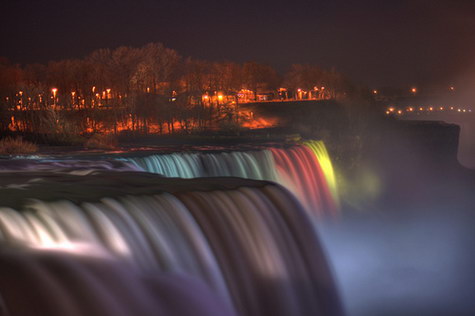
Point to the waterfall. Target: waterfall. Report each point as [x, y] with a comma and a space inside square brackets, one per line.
[306, 170]
[251, 242]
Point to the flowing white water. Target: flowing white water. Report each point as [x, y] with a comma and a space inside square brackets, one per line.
[251, 242]
[305, 170]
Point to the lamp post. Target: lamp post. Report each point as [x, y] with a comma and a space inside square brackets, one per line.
[54, 91]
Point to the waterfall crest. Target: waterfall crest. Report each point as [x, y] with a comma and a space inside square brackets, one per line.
[306, 170]
[251, 242]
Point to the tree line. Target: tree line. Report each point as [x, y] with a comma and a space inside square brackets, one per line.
[146, 89]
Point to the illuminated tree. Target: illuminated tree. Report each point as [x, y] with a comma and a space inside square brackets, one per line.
[259, 78]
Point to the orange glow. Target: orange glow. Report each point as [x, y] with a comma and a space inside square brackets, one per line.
[399, 112]
[431, 109]
[391, 109]
[375, 91]
[260, 123]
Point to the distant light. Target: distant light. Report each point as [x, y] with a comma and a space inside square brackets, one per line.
[431, 108]
[414, 90]
[459, 110]
[399, 112]
[451, 107]
[452, 88]
[441, 108]
[375, 91]
[387, 112]
[391, 109]
[421, 109]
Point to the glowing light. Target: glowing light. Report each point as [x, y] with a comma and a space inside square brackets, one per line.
[220, 97]
[320, 151]
[431, 108]
[399, 112]
[421, 109]
[93, 89]
[410, 109]
[441, 108]
[375, 91]
[414, 90]
[391, 109]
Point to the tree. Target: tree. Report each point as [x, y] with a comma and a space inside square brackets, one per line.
[259, 78]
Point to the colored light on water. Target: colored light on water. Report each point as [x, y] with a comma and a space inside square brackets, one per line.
[320, 151]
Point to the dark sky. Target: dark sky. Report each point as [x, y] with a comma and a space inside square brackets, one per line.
[379, 42]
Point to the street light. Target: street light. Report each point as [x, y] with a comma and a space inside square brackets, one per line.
[54, 90]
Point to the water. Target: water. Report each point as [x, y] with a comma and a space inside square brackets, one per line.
[249, 244]
[306, 170]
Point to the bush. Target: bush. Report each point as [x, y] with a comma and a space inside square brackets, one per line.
[16, 146]
[101, 141]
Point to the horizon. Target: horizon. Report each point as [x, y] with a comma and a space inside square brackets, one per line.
[404, 43]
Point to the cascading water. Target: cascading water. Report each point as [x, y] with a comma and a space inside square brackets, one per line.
[250, 241]
[306, 170]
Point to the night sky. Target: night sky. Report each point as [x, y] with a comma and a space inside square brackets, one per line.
[374, 41]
